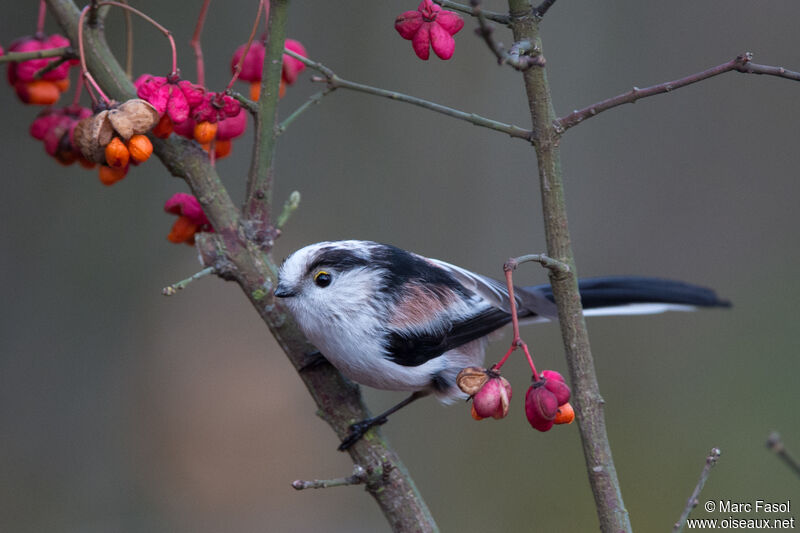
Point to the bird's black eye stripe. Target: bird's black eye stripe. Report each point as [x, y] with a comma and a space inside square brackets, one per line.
[322, 278]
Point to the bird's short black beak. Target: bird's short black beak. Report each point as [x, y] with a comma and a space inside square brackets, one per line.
[283, 292]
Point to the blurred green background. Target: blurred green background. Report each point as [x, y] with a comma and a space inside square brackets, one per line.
[122, 410]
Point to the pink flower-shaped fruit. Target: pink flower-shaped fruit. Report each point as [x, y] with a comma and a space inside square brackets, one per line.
[191, 219]
[541, 406]
[554, 382]
[171, 95]
[25, 71]
[42, 124]
[54, 127]
[293, 67]
[183, 204]
[253, 62]
[230, 128]
[493, 398]
[252, 67]
[215, 107]
[185, 128]
[428, 27]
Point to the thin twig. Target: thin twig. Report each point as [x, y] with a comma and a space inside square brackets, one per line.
[522, 55]
[313, 99]
[740, 63]
[52, 65]
[248, 104]
[289, 207]
[500, 18]
[333, 81]
[711, 460]
[358, 477]
[175, 287]
[775, 444]
[542, 8]
[36, 54]
[545, 261]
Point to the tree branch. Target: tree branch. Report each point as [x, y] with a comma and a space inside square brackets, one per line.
[522, 55]
[37, 54]
[500, 18]
[542, 8]
[775, 443]
[254, 270]
[358, 477]
[334, 82]
[741, 63]
[259, 183]
[588, 403]
[711, 460]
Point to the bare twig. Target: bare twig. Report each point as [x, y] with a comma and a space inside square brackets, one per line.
[542, 8]
[775, 443]
[741, 63]
[36, 54]
[545, 261]
[500, 18]
[52, 65]
[334, 82]
[249, 105]
[175, 287]
[358, 477]
[522, 55]
[313, 99]
[289, 207]
[711, 460]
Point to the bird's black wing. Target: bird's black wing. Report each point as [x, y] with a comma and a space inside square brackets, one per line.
[409, 349]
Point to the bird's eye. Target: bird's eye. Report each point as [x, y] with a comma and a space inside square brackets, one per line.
[322, 279]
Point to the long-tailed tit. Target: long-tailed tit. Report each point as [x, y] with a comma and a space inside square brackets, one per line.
[394, 320]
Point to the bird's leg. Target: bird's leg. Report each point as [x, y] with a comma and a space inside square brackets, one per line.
[312, 360]
[358, 429]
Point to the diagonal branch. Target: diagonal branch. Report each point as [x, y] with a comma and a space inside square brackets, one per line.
[335, 82]
[500, 18]
[255, 271]
[741, 63]
[775, 443]
[693, 500]
[37, 54]
[542, 8]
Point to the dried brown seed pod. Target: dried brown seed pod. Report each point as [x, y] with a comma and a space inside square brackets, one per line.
[133, 117]
[471, 379]
[91, 136]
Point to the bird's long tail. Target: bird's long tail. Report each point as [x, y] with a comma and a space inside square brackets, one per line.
[633, 295]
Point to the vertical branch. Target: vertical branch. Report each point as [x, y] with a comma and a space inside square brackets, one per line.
[587, 400]
[259, 183]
